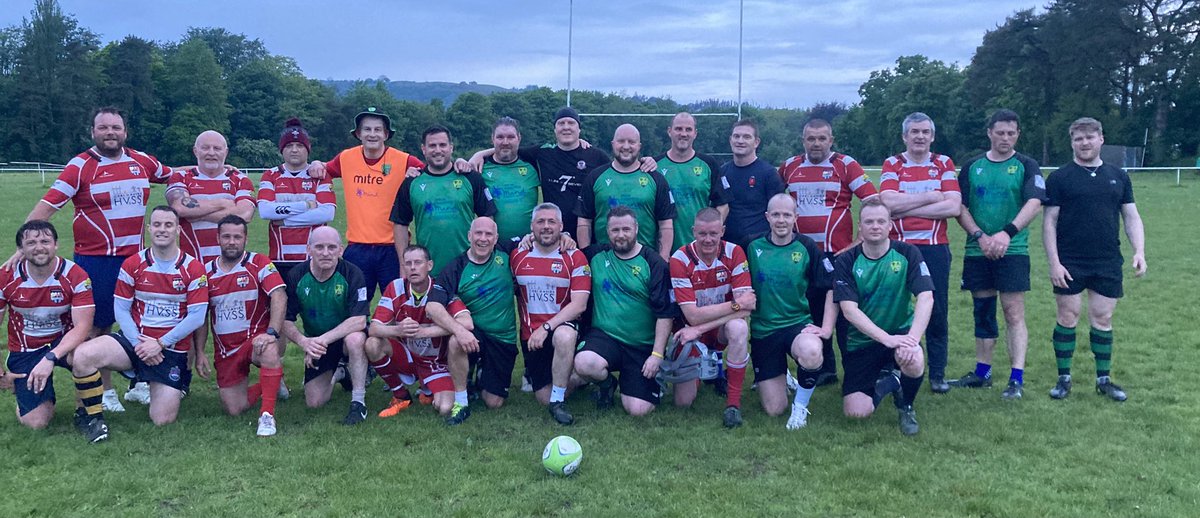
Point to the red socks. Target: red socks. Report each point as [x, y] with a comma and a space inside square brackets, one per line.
[736, 375]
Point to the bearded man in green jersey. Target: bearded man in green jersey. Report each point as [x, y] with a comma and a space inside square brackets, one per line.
[694, 178]
[631, 317]
[1002, 191]
[514, 183]
[784, 266]
[875, 283]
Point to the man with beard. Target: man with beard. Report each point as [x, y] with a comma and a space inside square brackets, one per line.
[823, 183]
[161, 299]
[109, 184]
[330, 295]
[623, 183]
[292, 201]
[247, 306]
[553, 287]
[694, 178]
[876, 282]
[439, 202]
[513, 183]
[51, 307]
[631, 319]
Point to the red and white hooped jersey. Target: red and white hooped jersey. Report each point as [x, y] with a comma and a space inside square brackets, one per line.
[161, 293]
[398, 303]
[823, 193]
[935, 174]
[546, 283]
[277, 185]
[199, 238]
[239, 301]
[39, 314]
[693, 282]
[110, 197]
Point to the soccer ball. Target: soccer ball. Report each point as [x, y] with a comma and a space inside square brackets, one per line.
[562, 455]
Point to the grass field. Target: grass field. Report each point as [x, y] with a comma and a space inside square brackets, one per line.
[975, 455]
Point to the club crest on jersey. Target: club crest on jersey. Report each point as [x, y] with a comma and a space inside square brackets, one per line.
[896, 266]
[498, 260]
[387, 169]
[271, 268]
[826, 174]
[225, 186]
[339, 290]
[643, 181]
[581, 165]
[306, 186]
[1012, 169]
[556, 267]
[587, 269]
[751, 181]
[722, 276]
[86, 285]
[135, 170]
[795, 257]
[56, 296]
[697, 170]
[177, 283]
[243, 281]
[933, 172]
[636, 270]
[522, 171]
[457, 183]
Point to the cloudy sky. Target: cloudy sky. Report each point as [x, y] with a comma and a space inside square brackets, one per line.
[795, 52]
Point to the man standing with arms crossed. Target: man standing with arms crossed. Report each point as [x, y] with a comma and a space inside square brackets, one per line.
[710, 279]
[1086, 202]
[1002, 192]
[161, 299]
[553, 287]
[330, 295]
[247, 301]
[109, 184]
[371, 174]
[921, 190]
[623, 183]
[694, 178]
[823, 183]
[206, 194]
[292, 201]
[631, 320]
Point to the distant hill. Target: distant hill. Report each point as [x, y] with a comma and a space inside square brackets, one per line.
[423, 92]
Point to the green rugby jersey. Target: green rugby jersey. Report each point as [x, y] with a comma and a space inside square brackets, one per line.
[694, 185]
[325, 305]
[515, 191]
[994, 192]
[487, 291]
[441, 208]
[781, 276]
[629, 295]
[646, 193]
[883, 287]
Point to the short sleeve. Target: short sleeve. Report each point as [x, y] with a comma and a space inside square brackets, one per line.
[718, 193]
[581, 273]
[845, 287]
[82, 295]
[964, 181]
[1035, 183]
[664, 202]
[586, 208]
[919, 279]
[681, 278]
[197, 283]
[660, 285]
[820, 268]
[402, 213]
[293, 280]
[358, 304]
[66, 186]
[385, 312]
[741, 270]
[889, 176]
[482, 196]
[949, 175]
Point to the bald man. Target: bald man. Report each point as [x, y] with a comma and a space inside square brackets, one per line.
[205, 194]
[482, 278]
[330, 295]
[623, 183]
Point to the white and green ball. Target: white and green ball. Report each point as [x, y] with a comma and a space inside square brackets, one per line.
[562, 455]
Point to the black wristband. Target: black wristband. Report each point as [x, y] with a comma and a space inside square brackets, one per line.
[1011, 230]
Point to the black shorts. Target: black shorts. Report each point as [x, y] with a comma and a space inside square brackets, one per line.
[333, 357]
[626, 360]
[1008, 274]
[173, 371]
[539, 364]
[23, 363]
[496, 361]
[769, 354]
[1105, 279]
[862, 367]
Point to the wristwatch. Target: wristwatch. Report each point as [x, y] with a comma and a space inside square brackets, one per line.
[271, 331]
[735, 306]
[547, 327]
[976, 235]
[51, 356]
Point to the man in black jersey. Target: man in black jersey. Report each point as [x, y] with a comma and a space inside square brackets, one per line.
[1087, 198]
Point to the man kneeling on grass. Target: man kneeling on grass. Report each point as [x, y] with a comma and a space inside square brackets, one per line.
[405, 344]
[875, 283]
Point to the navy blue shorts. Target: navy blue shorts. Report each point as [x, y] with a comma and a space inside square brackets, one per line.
[173, 371]
[103, 270]
[334, 356]
[379, 264]
[23, 363]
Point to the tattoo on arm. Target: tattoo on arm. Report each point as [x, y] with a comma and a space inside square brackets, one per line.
[189, 202]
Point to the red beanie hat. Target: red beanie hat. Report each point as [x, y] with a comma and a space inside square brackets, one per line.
[293, 131]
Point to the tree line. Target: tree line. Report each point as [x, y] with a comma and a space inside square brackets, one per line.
[1130, 63]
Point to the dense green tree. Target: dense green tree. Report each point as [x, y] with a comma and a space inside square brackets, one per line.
[195, 98]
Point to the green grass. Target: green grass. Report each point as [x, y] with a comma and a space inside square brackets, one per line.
[975, 455]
